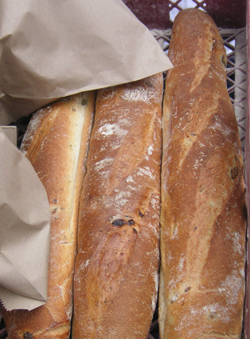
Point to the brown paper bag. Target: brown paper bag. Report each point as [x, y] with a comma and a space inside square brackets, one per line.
[24, 231]
[50, 49]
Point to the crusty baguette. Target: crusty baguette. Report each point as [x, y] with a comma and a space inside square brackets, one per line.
[116, 274]
[56, 143]
[203, 215]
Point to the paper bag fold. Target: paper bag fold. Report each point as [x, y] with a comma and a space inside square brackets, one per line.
[24, 231]
[51, 49]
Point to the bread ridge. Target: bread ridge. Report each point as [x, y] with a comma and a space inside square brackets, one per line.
[116, 275]
[56, 143]
[203, 213]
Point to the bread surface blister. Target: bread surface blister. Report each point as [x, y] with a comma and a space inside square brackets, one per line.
[56, 143]
[116, 274]
[203, 213]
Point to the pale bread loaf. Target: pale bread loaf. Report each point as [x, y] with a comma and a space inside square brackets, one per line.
[56, 143]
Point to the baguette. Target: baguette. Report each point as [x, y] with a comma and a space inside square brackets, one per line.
[203, 213]
[116, 273]
[56, 143]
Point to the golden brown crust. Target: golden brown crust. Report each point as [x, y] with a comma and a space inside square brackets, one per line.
[116, 276]
[56, 143]
[203, 219]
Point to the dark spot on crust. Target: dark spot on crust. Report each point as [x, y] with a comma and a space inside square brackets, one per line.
[66, 99]
[134, 230]
[119, 222]
[27, 335]
[54, 201]
[188, 289]
[224, 61]
[84, 102]
[54, 210]
[131, 222]
[148, 83]
[213, 43]
[140, 214]
[234, 172]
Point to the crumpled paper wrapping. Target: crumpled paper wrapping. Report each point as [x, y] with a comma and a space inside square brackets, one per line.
[51, 49]
[24, 231]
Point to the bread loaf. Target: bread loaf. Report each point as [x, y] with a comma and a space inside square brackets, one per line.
[56, 143]
[116, 274]
[203, 214]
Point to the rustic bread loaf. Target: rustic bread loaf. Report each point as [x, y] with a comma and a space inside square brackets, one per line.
[116, 273]
[203, 215]
[56, 143]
